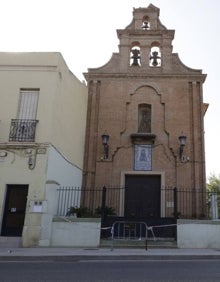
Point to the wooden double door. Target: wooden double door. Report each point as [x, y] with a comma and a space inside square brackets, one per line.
[142, 196]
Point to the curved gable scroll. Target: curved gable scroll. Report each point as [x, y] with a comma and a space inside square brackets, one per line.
[179, 67]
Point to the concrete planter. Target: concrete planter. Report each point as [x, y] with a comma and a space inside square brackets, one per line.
[198, 233]
[75, 232]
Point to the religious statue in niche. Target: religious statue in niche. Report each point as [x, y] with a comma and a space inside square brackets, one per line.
[145, 119]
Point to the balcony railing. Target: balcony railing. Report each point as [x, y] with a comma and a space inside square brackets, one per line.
[23, 130]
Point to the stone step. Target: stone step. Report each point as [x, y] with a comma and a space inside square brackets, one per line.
[10, 242]
[130, 243]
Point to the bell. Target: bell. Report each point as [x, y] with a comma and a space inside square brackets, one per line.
[145, 25]
[155, 58]
[155, 62]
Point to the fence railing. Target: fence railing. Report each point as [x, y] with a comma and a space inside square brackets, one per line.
[90, 202]
[183, 203]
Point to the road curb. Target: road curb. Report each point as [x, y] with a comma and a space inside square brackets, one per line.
[75, 258]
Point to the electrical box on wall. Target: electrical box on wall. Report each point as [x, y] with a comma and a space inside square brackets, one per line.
[37, 206]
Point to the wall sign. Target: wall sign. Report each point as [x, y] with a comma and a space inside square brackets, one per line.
[143, 157]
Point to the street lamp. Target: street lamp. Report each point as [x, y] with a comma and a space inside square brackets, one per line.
[105, 139]
[182, 140]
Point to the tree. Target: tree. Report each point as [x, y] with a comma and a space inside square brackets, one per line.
[213, 183]
[213, 196]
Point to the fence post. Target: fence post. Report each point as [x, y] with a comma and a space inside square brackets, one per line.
[175, 208]
[175, 211]
[103, 203]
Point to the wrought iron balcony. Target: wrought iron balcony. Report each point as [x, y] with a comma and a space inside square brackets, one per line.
[23, 130]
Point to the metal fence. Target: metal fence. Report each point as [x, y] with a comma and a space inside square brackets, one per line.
[177, 203]
[90, 202]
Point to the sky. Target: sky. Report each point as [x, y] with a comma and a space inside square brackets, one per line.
[84, 32]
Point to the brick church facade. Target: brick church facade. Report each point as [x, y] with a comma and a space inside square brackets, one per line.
[145, 128]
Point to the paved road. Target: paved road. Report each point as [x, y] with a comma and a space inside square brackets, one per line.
[109, 271]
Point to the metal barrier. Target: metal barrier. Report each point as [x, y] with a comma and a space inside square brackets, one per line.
[129, 230]
[150, 228]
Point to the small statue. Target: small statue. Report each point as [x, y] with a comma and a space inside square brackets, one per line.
[145, 124]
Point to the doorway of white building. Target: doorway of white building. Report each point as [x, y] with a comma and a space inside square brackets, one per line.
[14, 211]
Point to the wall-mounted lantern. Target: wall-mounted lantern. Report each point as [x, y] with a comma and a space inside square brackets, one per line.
[105, 139]
[182, 140]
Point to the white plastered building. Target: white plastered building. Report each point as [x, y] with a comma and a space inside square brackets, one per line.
[42, 130]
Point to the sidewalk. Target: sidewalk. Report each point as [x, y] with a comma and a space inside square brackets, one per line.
[76, 254]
